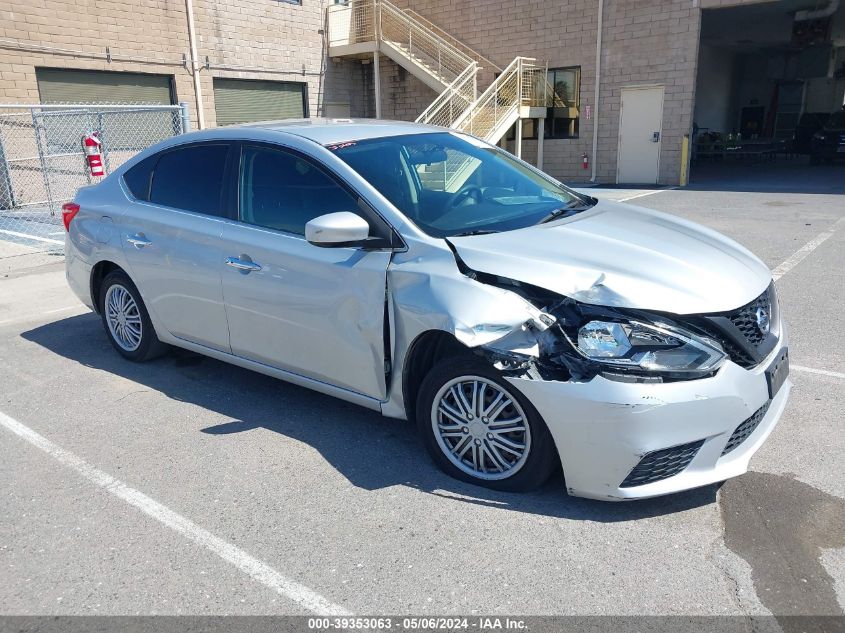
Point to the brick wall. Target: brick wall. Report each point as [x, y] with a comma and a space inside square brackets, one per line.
[263, 39]
[649, 42]
[645, 42]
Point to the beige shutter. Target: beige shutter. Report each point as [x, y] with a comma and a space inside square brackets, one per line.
[97, 86]
[245, 101]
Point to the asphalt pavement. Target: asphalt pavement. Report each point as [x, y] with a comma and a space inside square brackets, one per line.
[188, 486]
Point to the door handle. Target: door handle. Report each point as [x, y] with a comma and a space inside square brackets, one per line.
[240, 264]
[138, 240]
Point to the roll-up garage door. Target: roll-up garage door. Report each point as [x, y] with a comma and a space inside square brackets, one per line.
[246, 100]
[58, 85]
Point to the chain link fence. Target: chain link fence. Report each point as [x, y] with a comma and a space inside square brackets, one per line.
[42, 162]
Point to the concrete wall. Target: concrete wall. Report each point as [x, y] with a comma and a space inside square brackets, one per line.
[264, 39]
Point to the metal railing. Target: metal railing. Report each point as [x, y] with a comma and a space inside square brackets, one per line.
[352, 23]
[482, 61]
[452, 63]
[42, 163]
[498, 105]
[523, 83]
[381, 21]
[453, 104]
[419, 43]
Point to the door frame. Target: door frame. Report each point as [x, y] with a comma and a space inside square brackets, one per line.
[619, 127]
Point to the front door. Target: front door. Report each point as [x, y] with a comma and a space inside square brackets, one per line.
[317, 312]
[640, 135]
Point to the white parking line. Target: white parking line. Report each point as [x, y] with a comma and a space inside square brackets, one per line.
[822, 372]
[27, 236]
[253, 567]
[34, 317]
[646, 193]
[798, 256]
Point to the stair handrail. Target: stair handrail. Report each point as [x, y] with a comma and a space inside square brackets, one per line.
[522, 83]
[445, 60]
[451, 104]
[499, 100]
[483, 62]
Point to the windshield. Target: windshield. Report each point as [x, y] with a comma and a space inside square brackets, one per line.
[450, 184]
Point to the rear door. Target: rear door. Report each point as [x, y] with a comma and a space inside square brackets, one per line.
[317, 312]
[171, 239]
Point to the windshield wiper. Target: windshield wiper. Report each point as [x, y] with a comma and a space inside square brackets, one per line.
[474, 232]
[575, 206]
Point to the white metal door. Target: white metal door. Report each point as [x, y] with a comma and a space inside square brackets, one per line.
[640, 135]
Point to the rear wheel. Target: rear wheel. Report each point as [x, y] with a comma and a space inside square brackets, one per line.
[480, 429]
[126, 320]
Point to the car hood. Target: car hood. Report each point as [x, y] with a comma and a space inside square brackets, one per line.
[625, 256]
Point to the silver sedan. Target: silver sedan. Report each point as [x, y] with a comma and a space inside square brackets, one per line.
[432, 277]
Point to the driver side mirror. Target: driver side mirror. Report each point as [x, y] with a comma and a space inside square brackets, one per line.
[337, 229]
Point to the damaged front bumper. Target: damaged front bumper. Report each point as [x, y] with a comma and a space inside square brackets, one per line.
[604, 429]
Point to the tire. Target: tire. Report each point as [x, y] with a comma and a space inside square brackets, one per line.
[480, 451]
[815, 159]
[131, 334]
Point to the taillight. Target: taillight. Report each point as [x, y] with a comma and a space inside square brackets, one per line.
[69, 211]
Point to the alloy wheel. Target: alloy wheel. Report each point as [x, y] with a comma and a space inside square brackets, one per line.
[123, 318]
[481, 428]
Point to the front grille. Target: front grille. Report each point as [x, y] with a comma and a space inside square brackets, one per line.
[740, 334]
[744, 430]
[737, 354]
[745, 319]
[661, 464]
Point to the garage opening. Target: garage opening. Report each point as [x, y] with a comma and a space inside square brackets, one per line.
[60, 85]
[771, 77]
[247, 100]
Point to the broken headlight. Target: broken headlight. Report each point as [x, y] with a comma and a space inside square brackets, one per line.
[648, 347]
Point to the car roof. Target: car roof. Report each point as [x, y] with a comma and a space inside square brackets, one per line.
[330, 131]
[324, 132]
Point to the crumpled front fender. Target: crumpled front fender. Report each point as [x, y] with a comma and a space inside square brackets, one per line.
[428, 292]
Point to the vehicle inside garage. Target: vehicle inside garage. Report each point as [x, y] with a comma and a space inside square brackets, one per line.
[769, 96]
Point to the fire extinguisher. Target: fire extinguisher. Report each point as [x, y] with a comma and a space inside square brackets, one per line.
[585, 161]
[92, 146]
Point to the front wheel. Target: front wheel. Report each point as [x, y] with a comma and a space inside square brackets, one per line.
[126, 320]
[480, 429]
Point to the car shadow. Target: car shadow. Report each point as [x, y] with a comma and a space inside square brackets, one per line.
[392, 454]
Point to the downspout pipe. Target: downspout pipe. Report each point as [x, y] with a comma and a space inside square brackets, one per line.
[195, 65]
[597, 93]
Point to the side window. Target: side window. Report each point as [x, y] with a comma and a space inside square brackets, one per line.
[191, 178]
[279, 190]
[137, 179]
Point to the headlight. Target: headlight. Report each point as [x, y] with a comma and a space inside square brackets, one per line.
[819, 136]
[648, 347]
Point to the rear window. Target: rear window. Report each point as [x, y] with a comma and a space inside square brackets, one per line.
[138, 178]
[191, 178]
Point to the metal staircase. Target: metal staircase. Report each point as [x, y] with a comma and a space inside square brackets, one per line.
[446, 65]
